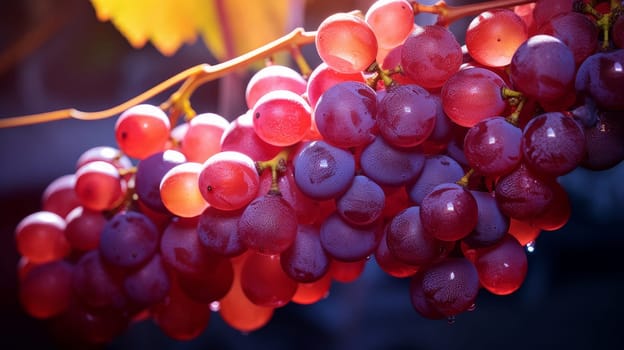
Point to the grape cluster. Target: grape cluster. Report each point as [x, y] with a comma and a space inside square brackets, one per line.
[439, 160]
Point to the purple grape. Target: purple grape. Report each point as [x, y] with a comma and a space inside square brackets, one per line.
[450, 286]
[362, 203]
[522, 194]
[389, 263]
[305, 260]
[407, 240]
[437, 169]
[406, 116]
[420, 301]
[149, 284]
[129, 239]
[345, 114]
[218, 231]
[492, 224]
[210, 284]
[601, 76]
[604, 137]
[180, 247]
[575, 30]
[349, 243]
[553, 144]
[149, 174]
[543, 68]
[492, 146]
[391, 166]
[449, 212]
[97, 284]
[323, 171]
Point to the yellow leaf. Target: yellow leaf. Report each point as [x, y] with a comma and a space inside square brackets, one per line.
[228, 27]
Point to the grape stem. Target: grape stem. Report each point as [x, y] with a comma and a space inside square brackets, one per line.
[178, 102]
[277, 166]
[514, 98]
[448, 14]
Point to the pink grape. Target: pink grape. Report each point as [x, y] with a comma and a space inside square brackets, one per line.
[264, 281]
[493, 36]
[59, 196]
[46, 290]
[229, 180]
[323, 77]
[83, 228]
[142, 130]
[179, 190]
[240, 136]
[218, 231]
[346, 43]
[502, 268]
[391, 21]
[99, 186]
[522, 194]
[40, 237]
[270, 78]
[203, 137]
[281, 118]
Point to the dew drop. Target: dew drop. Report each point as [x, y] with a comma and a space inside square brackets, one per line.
[451, 319]
[215, 306]
[530, 247]
[472, 307]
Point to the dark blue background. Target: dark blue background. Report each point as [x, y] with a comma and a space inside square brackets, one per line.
[572, 297]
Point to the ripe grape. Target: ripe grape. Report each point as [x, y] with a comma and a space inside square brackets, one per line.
[179, 190]
[543, 68]
[310, 293]
[493, 146]
[142, 130]
[229, 180]
[149, 284]
[241, 137]
[129, 239]
[40, 237]
[324, 77]
[471, 95]
[449, 212]
[46, 290]
[406, 115]
[362, 203]
[83, 228]
[218, 231]
[59, 197]
[347, 271]
[181, 249]
[345, 114]
[430, 55]
[437, 169]
[104, 153]
[98, 284]
[575, 30]
[305, 260]
[264, 281]
[389, 263]
[492, 225]
[546, 9]
[502, 268]
[522, 194]
[493, 36]
[210, 284]
[349, 243]
[346, 43]
[392, 166]
[391, 21]
[601, 76]
[553, 144]
[99, 186]
[270, 78]
[202, 138]
[323, 171]
[603, 136]
[268, 225]
[281, 118]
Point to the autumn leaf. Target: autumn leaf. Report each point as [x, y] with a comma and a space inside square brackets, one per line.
[228, 27]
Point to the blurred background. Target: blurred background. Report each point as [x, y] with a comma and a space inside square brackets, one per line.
[56, 54]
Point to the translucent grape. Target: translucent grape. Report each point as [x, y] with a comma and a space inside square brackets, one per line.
[430, 55]
[241, 137]
[229, 180]
[129, 239]
[149, 174]
[264, 281]
[449, 212]
[406, 115]
[281, 118]
[142, 130]
[310, 293]
[59, 197]
[346, 43]
[472, 95]
[546, 9]
[391, 21]
[558, 211]
[345, 114]
[179, 190]
[389, 263]
[388, 165]
[210, 284]
[502, 268]
[450, 286]
[46, 290]
[104, 153]
[202, 139]
[493, 146]
[323, 77]
[323, 171]
[553, 144]
[493, 36]
[270, 78]
[99, 186]
[268, 225]
[83, 228]
[347, 271]
[543, 68]
[40, 237]
[305, 260]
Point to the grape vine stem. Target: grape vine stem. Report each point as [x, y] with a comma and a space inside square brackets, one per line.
[193, 77]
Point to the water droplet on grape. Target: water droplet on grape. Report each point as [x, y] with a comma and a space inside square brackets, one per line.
[530, 247]
[215, 306]
[472, 307]
[450, 319]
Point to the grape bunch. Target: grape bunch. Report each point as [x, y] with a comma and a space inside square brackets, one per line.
[440, 160]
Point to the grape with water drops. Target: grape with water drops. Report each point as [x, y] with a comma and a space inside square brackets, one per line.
[441, 164]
